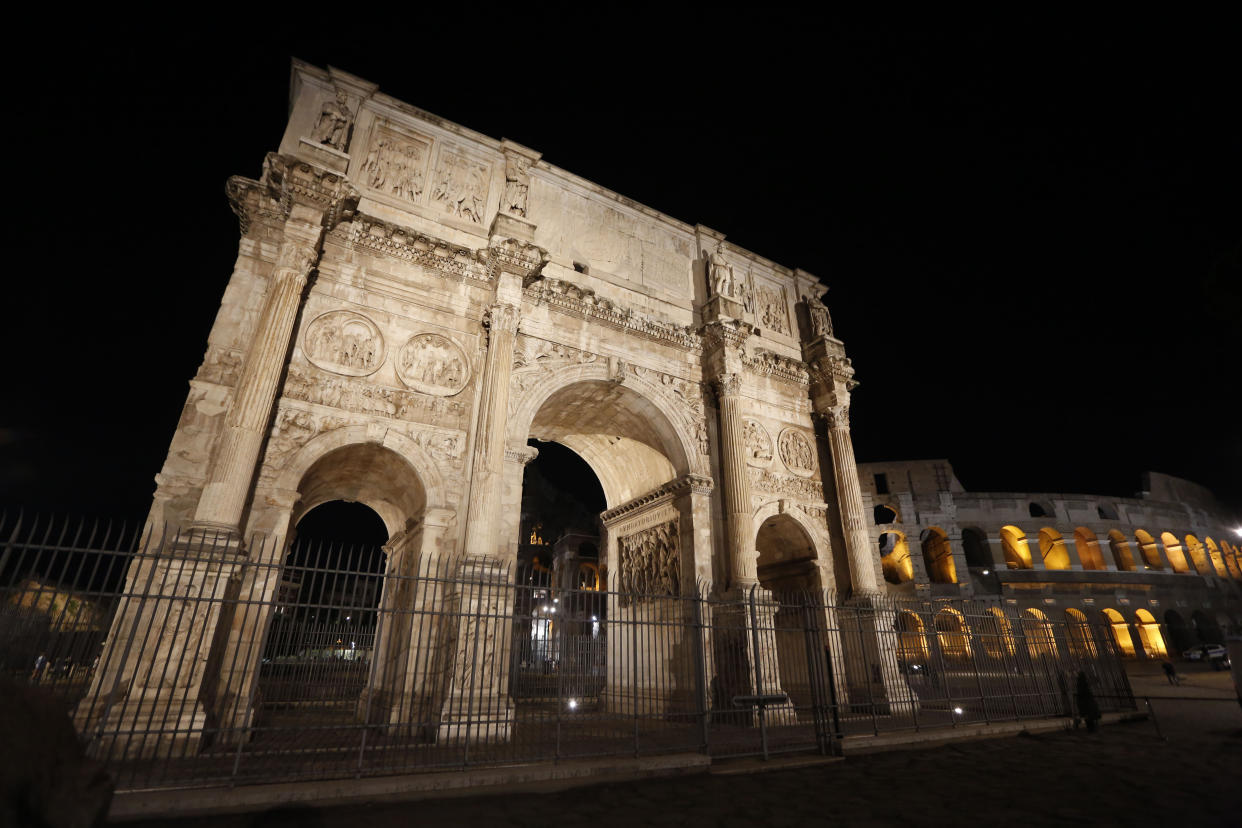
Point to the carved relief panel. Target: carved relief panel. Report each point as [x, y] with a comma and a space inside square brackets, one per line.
[396, 164]
[344, 342]
[796, 452]
[433, 364]
[771, 309]
[460, 185]
[650, 561]
[758, 445]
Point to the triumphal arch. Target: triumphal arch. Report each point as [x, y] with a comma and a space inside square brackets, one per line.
[412, 304]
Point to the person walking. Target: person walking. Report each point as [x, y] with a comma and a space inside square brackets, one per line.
[1170, 672]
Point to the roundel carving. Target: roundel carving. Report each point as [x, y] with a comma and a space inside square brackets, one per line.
[433, 364]
[344, 342]
[758, 445]
[796, 452]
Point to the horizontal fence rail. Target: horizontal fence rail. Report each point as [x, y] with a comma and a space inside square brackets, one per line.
[190, 659]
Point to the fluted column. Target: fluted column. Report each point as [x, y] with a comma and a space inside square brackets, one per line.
[738, 510]
[489, 442]
[853, 517]
[228, 481]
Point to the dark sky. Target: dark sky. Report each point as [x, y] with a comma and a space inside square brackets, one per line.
[1031, 229]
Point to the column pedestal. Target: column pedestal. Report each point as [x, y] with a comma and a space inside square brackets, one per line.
[478, 707]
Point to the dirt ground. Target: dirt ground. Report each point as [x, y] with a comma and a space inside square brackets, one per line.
[1123, 775]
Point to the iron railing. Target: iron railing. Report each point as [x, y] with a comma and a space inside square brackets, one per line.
[191, 660]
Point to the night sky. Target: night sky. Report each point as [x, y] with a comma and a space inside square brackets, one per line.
[1032, 230]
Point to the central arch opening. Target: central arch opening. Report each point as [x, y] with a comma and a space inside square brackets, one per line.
[586, 585]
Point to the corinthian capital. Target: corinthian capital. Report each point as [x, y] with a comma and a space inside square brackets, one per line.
[838, 416]
[501, 317]
[296, 255]
[727, 385]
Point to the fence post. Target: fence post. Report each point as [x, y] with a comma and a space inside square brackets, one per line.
[754, 637]
[700, 669]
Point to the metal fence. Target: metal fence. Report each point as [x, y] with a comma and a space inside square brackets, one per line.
[186, 660]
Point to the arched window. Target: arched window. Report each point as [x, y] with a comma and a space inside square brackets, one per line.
[884, 515]
[975, 548]
[1122, 556]
[953, 635]
[1088, 546]
[1039, 638]
[1121, 632]
[1150, 549]
[1052, 549]
[1173, 551]
[911, 643]
[1149, 634]
[1017, 553]
[1078, 631]
[938, 557]
[895, 558]
[1198, 555]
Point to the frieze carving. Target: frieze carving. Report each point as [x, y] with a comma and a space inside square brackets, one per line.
[796, 452]
[344, 342]
[335, 119]
[688, 395]
[517, 184]
[795, 487]
[293, 428]
[368, 398]
[396, 165]
[758, 444]
[581, 302]
[433, 364]
[460, 186]
[221, 366]
[650, 562]
[818, 511]
[774, 365]
[530, 351]
[446, 446]
[411, 246]
[772, 309]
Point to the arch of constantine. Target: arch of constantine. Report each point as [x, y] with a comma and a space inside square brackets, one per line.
[415, 308]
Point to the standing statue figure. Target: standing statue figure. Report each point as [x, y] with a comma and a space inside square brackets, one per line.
[821, 320]
[332, 128]
[721, 272]
[517, 184]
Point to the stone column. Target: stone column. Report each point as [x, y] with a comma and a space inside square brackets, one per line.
[853, 515]
[483, 513]
[477, 707]
[741, 557]
[228, 480]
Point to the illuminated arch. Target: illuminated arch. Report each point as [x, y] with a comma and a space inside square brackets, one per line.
[1149, 634]
[938, 557]
[1230, 553]
[1174, 552]
[1040, 640]
[1078, 631]
[1218, 562]
[1123, 558]
[1017, 553]
[1088, 547]
[589, 578]
[1121, 632]
[883, 514]
[1150, 549]
[993, 631]
[895, 557]
[952, 634]
[911, 640]
[1053, 550]
[1198, 555]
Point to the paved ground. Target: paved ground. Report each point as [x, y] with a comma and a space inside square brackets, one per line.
[1123, 775]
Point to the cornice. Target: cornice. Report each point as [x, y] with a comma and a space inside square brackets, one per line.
[693, 483]
[398, 242]
[582, 302]
[768, 363]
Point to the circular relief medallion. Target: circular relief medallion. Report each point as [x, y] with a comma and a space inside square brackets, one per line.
[758, 445]
[796, 452]
[344, 342]
[433, 364]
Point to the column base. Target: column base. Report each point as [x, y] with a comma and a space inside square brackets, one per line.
[150, 727]
[491, 726]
